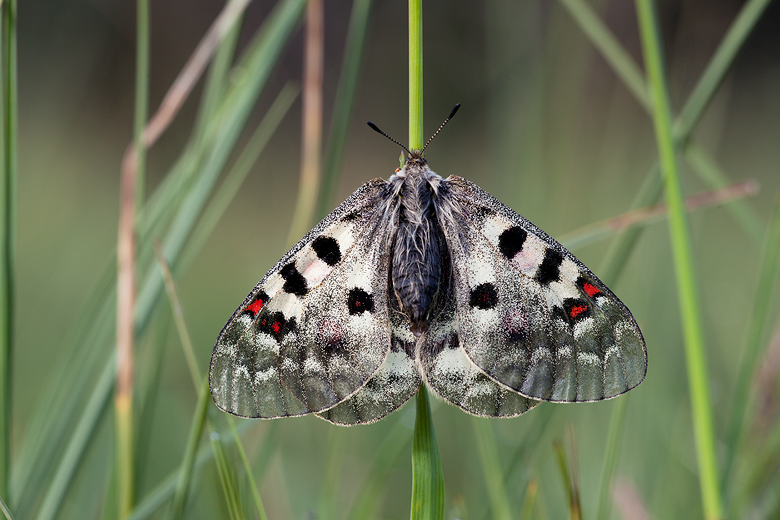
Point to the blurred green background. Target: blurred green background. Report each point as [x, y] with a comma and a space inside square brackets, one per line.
[546, 126]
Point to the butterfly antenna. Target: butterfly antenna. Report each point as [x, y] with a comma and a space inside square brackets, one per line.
[376, 129]
[454, 109]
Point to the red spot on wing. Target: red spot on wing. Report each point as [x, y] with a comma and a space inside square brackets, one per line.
[255, 306]
[276, 327]
[577, 310]
[590, 289]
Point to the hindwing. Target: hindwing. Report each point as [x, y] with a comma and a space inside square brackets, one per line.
[455, 377]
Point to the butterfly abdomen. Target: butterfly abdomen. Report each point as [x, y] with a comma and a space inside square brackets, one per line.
[417, 247]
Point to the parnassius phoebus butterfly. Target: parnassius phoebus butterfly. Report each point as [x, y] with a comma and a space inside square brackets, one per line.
[423, 279]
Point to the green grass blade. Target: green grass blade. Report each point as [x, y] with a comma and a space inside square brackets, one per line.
[141, 106]
[614, 436]
[8, 182]
[6, 511]
[757, 330]
[226, 478]
[248, 469]
[566, 468]
[491, 468]
[427, 477]
[78, 442]
[196, 431]
[162, 493]
[237, 175]
[233, 113]
[345, 100]
[683, 262]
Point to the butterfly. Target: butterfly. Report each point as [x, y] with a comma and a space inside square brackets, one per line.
[420, 279]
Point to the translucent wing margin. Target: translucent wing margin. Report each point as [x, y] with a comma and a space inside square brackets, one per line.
[530, 315]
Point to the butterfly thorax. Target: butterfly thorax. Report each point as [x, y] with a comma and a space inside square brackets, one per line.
[417, 241]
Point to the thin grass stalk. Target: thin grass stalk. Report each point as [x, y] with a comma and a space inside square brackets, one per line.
[178, 316]
[226, 478]
[125, 331]
[756, 332]
[690, 313]
[78, 442]
[248, 469]
[6, 511]
[234, 179]
[708, 170]
[614, 436]
[188, 461]
[345, 100]
[141, 112]
[311, 143]
[491, 469]
[427, 477]
[647, 215]
[415, 75]
[8, 149]
[566, 469]
[161, 495]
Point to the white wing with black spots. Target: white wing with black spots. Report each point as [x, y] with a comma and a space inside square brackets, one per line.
[454, 377]
[423, 279]
[531, 315]
[284, 351]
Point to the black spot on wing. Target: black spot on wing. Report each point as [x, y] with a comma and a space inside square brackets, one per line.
[276, 325]
[511, 241]
[484, 296]
[359, 301]
[327, 249]
[352, 215]
[294, 282]
[549, 270]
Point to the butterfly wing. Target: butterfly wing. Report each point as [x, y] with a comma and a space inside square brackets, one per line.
[315, 329]
[530, 315]
[394, 383]
[456, 378]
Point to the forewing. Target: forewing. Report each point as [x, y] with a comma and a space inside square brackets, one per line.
[305, 338]
[532, 316]
[451, 374]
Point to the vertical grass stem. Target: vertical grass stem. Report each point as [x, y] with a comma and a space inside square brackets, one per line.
[7, 234]
[690, 313]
